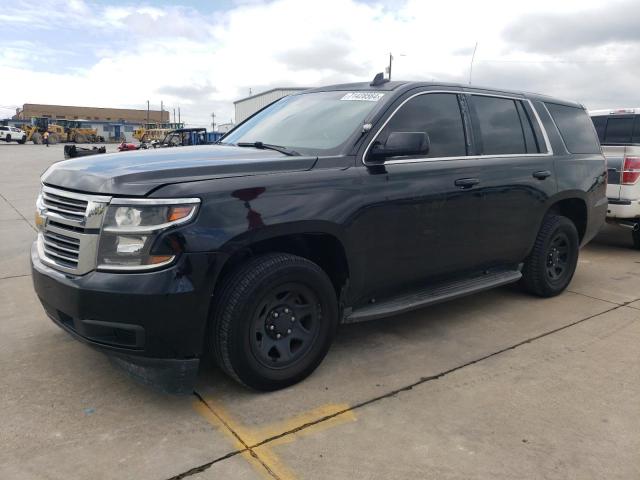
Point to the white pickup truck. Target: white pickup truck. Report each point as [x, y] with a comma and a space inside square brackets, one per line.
[619, 134]
[12, 134]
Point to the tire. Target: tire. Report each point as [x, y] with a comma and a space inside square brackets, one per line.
[37, 138]
[53, 139]
[22, 141]
[552, 262]
[7, 138]
[635, 236]
[256, 337]
[80, 138]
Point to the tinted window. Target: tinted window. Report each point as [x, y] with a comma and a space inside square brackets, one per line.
[527, 129]
[4, 129]
[437, 114]
[619, 130]
[500, 128]
[575, 127]
[601, 124]
[636, 130]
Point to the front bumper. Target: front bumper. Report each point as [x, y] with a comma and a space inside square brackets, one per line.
[145, 319]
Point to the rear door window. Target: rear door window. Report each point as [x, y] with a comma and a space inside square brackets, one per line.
[500, 128]
[437, 114]
[576, 128]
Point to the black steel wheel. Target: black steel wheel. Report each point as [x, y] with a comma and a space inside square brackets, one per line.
[273, 320]
[552, 262]
[635, 237]
[285, 325]
[558, 256]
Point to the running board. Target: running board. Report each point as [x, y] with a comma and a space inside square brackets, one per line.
[435, 294]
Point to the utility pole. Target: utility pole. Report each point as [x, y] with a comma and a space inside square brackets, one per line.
[213, 121]
[161, 112]
[174, 115]
[147, 111]
[179, 120]
[472, 59]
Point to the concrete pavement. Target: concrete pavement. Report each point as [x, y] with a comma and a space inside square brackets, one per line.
[497, 385]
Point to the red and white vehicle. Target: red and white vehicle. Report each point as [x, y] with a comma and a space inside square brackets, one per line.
[12, 134]
[619, 134]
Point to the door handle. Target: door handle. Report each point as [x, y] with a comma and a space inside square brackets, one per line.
[466, 182]
[542, 174]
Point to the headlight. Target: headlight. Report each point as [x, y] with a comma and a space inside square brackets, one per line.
[131, 226]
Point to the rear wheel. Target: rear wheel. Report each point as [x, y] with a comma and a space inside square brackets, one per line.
[273, 321]
[53, 138]
[80, 138]
[550, 267]
[37, 138]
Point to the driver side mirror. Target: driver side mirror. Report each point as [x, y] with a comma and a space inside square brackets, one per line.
[400, 144]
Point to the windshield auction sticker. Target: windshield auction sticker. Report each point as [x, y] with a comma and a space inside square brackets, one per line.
[363, 96]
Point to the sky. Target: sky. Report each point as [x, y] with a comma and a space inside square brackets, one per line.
[203, 55]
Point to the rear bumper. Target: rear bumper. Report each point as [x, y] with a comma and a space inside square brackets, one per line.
[150, 321]
[623, 208]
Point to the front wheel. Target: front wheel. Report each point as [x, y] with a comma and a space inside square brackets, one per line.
[7, 138]
[273, 321]
[552, 262]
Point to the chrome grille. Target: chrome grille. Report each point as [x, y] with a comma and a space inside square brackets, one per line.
[72, 208]
[63, 248]
[68, 240]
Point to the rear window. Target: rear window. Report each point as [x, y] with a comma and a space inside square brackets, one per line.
[619, 130]
[575, 127]
[601, 125]
[4, 129]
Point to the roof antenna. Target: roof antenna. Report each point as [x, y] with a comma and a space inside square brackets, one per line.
[378, 80]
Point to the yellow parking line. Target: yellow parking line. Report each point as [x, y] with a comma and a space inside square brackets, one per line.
[243, 438]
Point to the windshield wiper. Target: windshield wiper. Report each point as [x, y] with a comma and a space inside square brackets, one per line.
[268, 146]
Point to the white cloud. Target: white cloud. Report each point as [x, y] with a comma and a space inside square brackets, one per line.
[205, 61]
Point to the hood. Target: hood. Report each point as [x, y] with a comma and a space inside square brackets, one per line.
[138, 172]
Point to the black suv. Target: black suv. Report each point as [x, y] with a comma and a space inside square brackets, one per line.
[339, 204]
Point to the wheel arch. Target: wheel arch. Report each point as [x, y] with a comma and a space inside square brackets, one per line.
[575, 209]
[323, 248]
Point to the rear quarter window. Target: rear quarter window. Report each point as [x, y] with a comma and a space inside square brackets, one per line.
[576, 128]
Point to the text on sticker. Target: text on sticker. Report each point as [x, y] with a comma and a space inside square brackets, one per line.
[363, 96]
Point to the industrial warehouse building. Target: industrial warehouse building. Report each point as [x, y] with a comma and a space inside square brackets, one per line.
[67, 112]
[245, 107]
[110, 123]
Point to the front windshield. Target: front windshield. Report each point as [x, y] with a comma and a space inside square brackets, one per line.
[310, 123]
